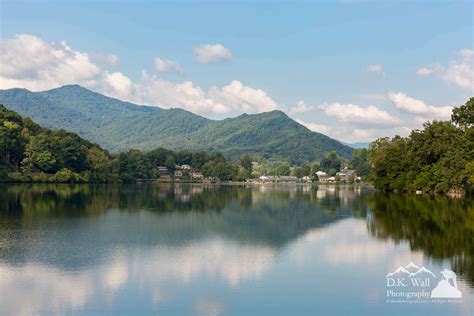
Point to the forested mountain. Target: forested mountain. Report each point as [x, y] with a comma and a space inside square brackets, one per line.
[119, 126]
[31, 153]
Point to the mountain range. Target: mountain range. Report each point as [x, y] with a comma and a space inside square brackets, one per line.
[117, 126]
[364, 145]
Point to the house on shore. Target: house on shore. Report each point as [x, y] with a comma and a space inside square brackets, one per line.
[197, 175]
[278, 179]
[178, 173]
[306, 179]
[183, 167]
[346, 174]
[163, 172]
[323, 177]
[327, 179]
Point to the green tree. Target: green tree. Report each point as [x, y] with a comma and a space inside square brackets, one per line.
[38, 155]
[315, 168]
[282, 170]
[246, 162]
[436, 158]
[360, 162]
[331, 161]
[170, 163]
[298, 172]
[464, 115]
[12, 143]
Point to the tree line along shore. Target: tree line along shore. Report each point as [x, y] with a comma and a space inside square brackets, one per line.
[438, 158]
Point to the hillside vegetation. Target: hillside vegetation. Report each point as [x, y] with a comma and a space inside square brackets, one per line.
[31, 153]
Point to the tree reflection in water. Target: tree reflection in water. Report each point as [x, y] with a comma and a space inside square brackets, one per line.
[273, 216]
[441, 227]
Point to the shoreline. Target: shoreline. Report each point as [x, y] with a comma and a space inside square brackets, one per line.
[250, 184]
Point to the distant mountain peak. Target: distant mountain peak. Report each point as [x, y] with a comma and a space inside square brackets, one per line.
[277, 112]
[15, 90]
[119, 126]
[70, 87]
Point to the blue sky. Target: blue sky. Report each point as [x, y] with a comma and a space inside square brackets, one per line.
[358, 70]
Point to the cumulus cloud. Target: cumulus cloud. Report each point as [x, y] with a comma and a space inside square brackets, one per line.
[459, 72]
[110, 59]
[231, 99]
[375, 69]
[359, 115]
[315, 127]
[425, 71]
[354, 123]
[27, 61]
[418, 107]
[118, 85]
[166, 65]
[357, 123]
[301, 107]
[211, 53]
[167, 94]
[242, 98]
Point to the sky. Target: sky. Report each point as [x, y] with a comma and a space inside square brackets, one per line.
[353, 70]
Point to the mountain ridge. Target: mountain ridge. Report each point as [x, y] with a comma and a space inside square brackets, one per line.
[119, 125]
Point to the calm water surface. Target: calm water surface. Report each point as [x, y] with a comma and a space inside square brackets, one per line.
[225, 250]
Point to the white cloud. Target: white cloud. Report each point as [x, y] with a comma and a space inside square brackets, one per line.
[118, 85]
[231, 99]
[351, 133]
[354, 123]
[375, 69]
[359, 115]
[110, 59]
[211, 53]
[167, 94]
[459, 72]
[415, 106]
[466, 53]
[301, 107]
[425, 71]
[29, 62]
[320, 128]
[166, 65]
[241, 98]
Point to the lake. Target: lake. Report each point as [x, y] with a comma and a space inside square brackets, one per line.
[231, 250]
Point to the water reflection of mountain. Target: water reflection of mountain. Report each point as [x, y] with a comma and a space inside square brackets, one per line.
[73, 226]
[441, 227]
